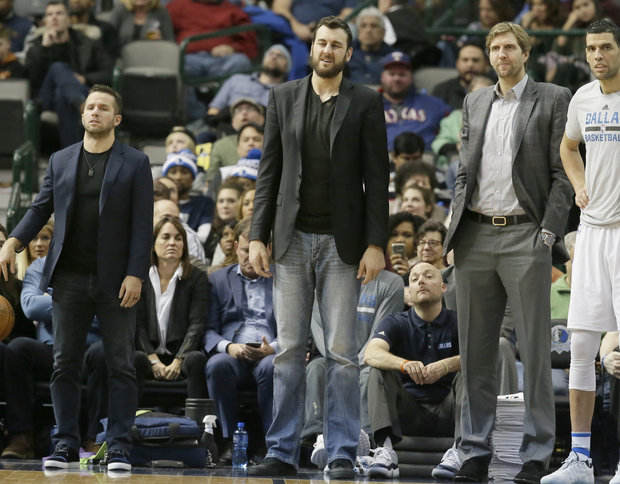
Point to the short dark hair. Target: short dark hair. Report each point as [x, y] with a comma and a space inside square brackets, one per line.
[604, 26]
[408, 142]
[398, 218]
[56, 2]
[333, 23]
[160, 191]
[118, 100]
[257, 127]
[431, 226]
[411, 168]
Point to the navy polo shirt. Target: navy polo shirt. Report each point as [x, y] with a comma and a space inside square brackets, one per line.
[412, 338]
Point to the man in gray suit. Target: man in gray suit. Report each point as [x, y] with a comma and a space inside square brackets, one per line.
[322, 188]
[511, 203]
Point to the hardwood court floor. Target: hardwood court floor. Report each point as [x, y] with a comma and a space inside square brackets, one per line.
[29, 471]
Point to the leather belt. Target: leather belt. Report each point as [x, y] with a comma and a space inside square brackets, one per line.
[498, 220]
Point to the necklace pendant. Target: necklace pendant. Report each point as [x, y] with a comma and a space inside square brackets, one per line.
[91, 172]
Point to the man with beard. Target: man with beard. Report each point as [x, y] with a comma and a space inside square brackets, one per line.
[320, 131]
[595, 300]
[276, 66]
[405, 108]
[510, 208]
[240, 339]
[470, 63]
[101, 194]
[412, 387]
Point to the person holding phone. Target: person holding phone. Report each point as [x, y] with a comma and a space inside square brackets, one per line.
[401, 249]
[240, 339]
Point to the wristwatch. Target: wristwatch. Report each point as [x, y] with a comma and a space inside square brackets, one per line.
[547, 239]
[154, 361]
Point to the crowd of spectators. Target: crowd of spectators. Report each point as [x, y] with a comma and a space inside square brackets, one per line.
[200, 278]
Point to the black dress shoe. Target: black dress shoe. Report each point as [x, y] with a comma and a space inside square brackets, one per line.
[341, 469]
[531, 472]
[272, 467]
[226, 453]
[475, 469]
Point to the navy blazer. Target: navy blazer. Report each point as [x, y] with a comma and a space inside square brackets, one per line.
[226, 306]
[125, 214]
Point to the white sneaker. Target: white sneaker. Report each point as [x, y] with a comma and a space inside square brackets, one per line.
[362, 464]
[616, 478]
[576, 469]
[319, 454]
[450, 464]
[385, 463]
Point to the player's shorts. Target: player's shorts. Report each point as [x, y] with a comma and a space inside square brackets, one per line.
[595, 281]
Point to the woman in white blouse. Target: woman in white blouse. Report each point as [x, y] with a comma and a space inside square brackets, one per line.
[172, 313]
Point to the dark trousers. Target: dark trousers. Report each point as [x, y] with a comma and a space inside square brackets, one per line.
[28, 361]
[226, 376]
[391, 406]
[77, 298]
[62, 92]
[192, 368]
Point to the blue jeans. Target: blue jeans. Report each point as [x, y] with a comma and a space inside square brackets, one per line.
[62, 92]
[203, 64]
[77, 298]
[312, 265]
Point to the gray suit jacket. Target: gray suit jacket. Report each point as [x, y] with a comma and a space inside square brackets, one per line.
[539, 180]
[358, 174]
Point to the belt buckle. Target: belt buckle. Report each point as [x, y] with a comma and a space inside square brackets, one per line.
[498, 221]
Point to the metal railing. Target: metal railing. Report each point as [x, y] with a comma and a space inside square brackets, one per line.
[24, 183]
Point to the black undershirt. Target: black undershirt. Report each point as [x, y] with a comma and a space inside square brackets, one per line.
[314, 214]
[79, 252]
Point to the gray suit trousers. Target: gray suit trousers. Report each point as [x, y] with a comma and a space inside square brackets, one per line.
[495, 265]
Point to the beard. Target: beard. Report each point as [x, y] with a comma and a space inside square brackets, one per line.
[330, 72]
[274, 71]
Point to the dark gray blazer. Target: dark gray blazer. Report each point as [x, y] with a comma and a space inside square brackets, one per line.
[359, 169]
[539, 180]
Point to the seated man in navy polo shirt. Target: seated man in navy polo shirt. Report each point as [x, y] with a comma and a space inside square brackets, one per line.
[414, 355]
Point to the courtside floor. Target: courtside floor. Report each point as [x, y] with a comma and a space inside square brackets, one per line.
[29, 471]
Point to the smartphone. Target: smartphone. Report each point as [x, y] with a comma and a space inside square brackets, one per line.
[399, 248]
[256, 344]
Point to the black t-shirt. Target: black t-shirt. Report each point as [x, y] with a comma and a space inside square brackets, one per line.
[79, 252]
[414, 339]
[314, 214]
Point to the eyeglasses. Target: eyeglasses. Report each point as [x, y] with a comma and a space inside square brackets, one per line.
[431, 243]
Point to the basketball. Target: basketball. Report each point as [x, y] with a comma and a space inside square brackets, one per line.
[7, 318]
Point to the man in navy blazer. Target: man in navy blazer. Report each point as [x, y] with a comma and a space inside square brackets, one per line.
[240, 339]
[101, 194]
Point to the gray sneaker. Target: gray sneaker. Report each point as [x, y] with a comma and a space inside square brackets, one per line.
[385, 463]
[576, 469]
[449, 465]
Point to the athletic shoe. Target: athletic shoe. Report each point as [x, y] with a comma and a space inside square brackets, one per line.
[62, 457]
[616, 478]
[117, 460]
[449, 465]
[319, 454]
[385, 463]
[362, 464]
[576, 469]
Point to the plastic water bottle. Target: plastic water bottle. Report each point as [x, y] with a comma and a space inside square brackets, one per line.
[240, 447]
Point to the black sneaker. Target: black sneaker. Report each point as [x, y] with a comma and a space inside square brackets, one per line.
[62, 457]
[341, 469]
[116, 460]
